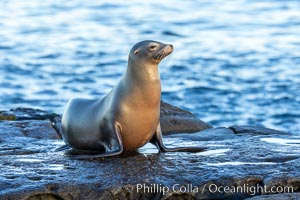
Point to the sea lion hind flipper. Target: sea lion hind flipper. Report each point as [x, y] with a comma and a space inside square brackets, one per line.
[158, 142]
[62, 148]
[116, 151]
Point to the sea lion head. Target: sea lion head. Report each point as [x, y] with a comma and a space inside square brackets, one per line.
[149, 52]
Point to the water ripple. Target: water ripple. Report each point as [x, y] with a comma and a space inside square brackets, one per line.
[233, 64]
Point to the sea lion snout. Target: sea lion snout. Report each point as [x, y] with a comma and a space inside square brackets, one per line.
[169, 48]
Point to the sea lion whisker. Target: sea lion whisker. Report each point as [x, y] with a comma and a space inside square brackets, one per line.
[163, 55]
[158, 58]
[158, 55]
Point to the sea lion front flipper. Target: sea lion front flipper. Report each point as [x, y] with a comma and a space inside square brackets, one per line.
[116, 151]
[158, 142]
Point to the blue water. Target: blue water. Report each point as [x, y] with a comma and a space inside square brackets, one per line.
[235, 62]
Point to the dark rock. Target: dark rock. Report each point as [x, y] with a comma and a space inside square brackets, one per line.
[44, 197]
[40, 129]
[31, 114]
[21, 114]
[234, 166]
[286, 185]
[176, 120]
[9, 130]
[6, 115]
[283, 196]
[259, 130]
[208, 134]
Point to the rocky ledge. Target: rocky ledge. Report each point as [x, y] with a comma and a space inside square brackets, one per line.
[240, 162]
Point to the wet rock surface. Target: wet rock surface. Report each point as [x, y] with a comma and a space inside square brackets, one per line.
[239, 162]
[40, 129]
[284, 196]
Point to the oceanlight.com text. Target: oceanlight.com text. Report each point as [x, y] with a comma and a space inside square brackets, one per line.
[209, 188]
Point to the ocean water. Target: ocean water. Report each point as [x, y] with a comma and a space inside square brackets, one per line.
[234, 63]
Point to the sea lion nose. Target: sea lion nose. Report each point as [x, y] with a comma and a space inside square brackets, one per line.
[171, 46]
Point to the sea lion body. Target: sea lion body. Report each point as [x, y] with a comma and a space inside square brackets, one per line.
[85, 117]
[128, 116]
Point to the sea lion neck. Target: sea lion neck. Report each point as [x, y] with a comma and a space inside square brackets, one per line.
[143, 82]
[143, 72]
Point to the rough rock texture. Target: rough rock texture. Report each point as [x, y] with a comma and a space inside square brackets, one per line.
[255, 130]
[284, 196]
[240, 162]
[40, 129]
[23, 114]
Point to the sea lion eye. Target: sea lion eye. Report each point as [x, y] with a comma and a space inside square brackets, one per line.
[153, 47]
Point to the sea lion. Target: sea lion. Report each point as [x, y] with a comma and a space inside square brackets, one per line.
[128, 116]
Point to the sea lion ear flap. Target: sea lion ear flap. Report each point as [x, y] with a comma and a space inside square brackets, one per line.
[136, 52]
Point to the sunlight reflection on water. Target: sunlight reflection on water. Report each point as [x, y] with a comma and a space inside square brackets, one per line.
[233, 64]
